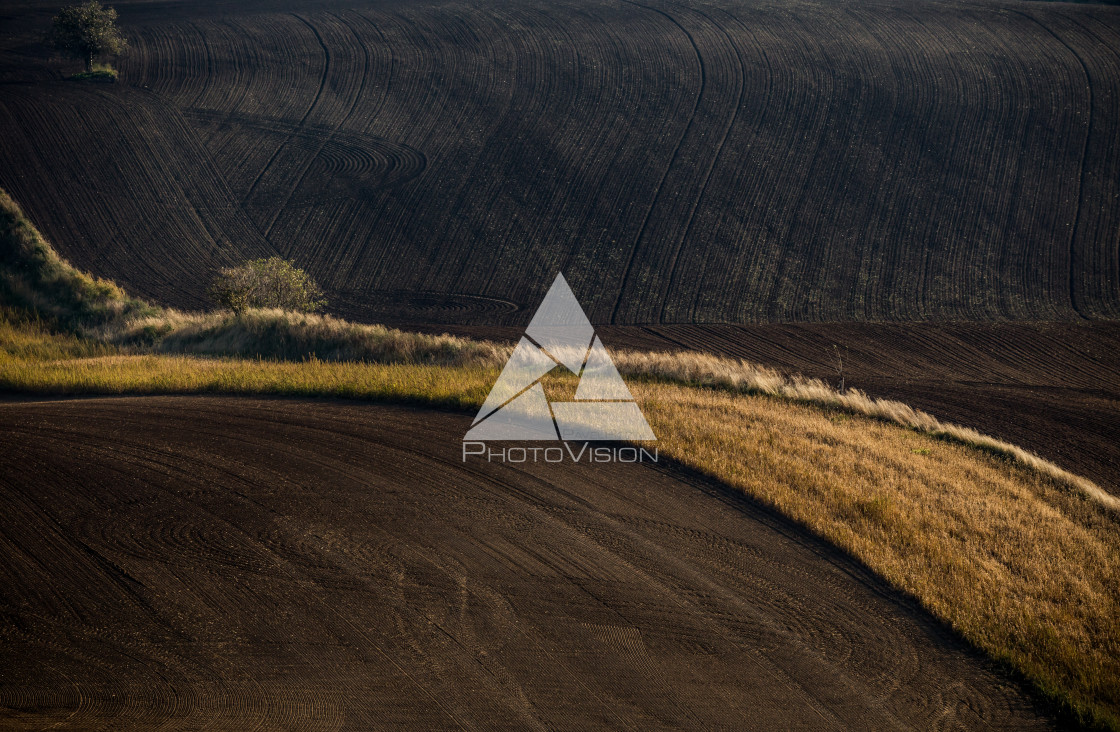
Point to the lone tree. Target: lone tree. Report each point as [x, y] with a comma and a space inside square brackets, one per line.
[86, 31]
[266, 283]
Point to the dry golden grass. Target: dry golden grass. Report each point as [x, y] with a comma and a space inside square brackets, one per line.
[292, 336]
[461, 388]
[744, 377]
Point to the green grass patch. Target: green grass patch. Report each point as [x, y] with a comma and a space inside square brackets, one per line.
[38, 282]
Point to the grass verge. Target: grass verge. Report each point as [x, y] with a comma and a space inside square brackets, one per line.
[992, 542]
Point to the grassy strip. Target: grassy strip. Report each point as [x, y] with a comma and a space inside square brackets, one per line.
[743, 377]
[297, 336]
[399, 383]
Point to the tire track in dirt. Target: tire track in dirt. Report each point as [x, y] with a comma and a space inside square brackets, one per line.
[636, 246]
[1095, 45]
[329, 138]
[239, 564]
[306, 114]
[1073, 263]
[736, 105]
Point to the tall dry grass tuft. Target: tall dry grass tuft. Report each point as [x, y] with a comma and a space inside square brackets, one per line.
[289, 336]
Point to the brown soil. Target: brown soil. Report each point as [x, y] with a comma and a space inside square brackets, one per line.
[240, 563]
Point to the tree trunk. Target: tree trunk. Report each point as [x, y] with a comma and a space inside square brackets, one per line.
[89, 62]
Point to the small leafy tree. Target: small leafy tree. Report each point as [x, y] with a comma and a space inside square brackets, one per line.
[86, 31]
[266, 283]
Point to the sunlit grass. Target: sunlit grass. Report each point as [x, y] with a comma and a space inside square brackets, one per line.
[27, 338]
[459, 388]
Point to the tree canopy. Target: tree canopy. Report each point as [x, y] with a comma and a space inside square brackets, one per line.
[266, 283]
[87, 31]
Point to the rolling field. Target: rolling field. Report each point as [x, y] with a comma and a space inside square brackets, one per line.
[702, 162]
[986, 538]
[927, 193]
[686, 165]
[310, 565]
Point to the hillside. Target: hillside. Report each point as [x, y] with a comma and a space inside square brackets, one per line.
[768, 208]
[694, 162]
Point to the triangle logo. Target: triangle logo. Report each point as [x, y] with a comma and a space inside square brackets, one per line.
[560, 335]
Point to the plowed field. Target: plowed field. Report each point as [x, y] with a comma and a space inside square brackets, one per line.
[235, 564]
[680, 162]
